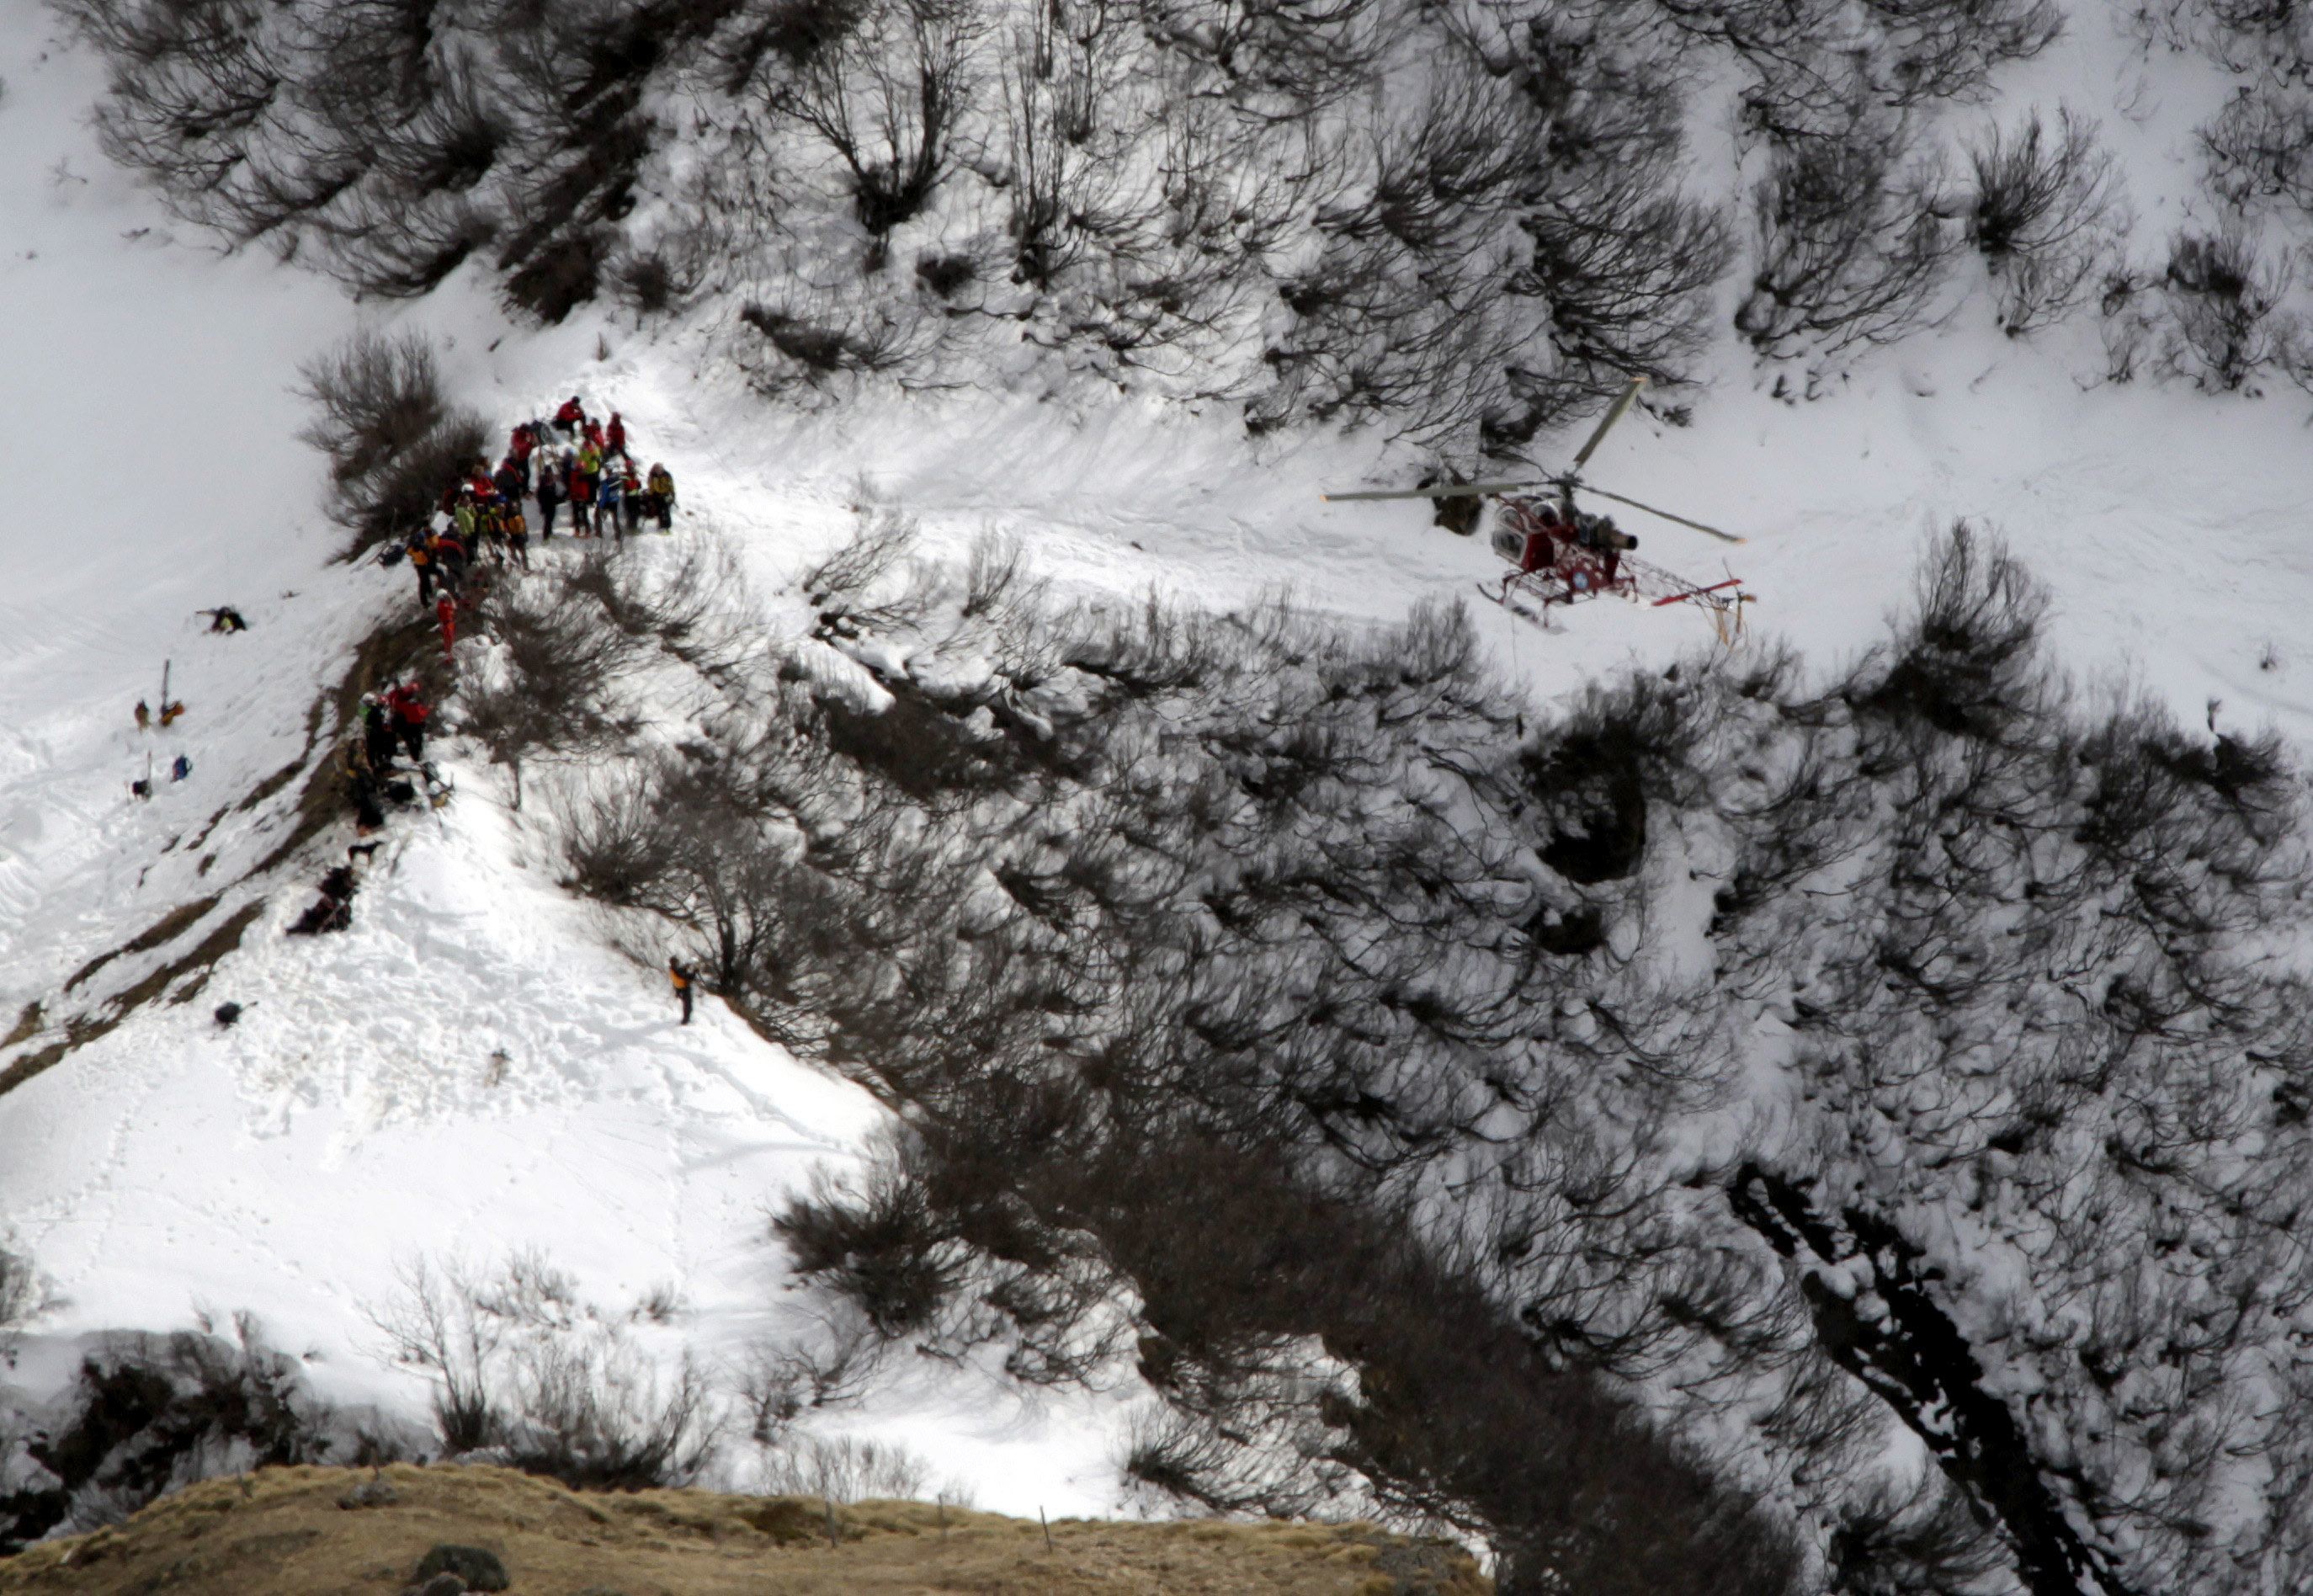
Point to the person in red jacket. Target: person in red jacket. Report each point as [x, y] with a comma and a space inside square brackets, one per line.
[593, 430]
[571, 414]
[524, 441]
[408, 712]
[445, 611]
[614, 439]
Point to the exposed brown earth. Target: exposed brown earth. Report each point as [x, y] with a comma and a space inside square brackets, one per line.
[285, 1532]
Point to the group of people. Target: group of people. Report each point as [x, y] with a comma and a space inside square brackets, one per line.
[573, 460]
[392, 721]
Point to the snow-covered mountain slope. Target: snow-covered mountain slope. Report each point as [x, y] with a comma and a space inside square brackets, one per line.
[468, 1071]
[471, 1068]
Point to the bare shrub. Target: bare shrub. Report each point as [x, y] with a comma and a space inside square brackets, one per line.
[884, 96]
[2045, 218]
[378, 397]
[1967, 662]
[555, 692]
[878, 548]
[2226, 318]
[22, 1293]
[391, 437]
[2259, 148]
[1945, 49]
[876, 1240]
[781, 1381]
[523, 1369]
[1853, 244]
[842, 1468]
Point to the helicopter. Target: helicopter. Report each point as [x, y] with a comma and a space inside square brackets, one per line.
[1560, 554]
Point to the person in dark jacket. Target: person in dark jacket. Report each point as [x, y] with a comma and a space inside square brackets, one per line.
[361, 787]
[549, 496]
[377, 733]
[509, 481]
[681, 977]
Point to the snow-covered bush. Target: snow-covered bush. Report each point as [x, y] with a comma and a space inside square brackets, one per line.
[148, 1415]
[1253, 989]
[1462, 224]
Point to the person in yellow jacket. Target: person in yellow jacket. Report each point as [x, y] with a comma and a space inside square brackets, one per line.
[661, 488]
[683, 978]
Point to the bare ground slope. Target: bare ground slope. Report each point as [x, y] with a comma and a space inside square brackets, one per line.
[283, 1532]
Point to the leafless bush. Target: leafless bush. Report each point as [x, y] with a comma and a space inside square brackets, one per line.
[843, 1468]
[603, 1419]
[877, 550]
[389, 430]
[884, 96]
[782, 1381]
[1967, 665]
[378, 397]
[2226, 318]
[560, 664]
[2260, 148]
[524, 1368]
[1853, 244]
[2045, 217]
[1946, 50]
[876, 1240]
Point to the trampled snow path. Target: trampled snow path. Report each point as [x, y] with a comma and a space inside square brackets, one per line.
[356, 1116]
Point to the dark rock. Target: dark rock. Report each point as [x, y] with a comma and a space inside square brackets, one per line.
[480, 1570]
[226, 1013]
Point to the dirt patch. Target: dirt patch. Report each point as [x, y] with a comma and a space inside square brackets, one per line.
[282, 1532]
[27, 1025]
[197, 962]
[175, 923]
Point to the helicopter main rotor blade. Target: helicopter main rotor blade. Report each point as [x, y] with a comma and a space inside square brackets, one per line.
[1613, 414]
[1443, 490]
[1724, 537]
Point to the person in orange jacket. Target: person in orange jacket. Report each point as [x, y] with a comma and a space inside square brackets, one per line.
[681, 977]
